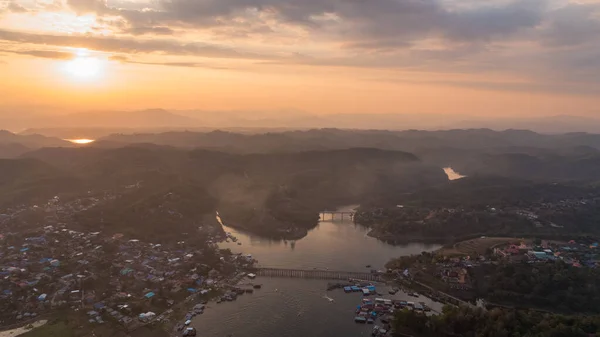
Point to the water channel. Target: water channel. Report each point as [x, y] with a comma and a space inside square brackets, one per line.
[298, 307]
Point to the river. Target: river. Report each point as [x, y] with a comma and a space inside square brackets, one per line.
[298, 307]
[452, 175]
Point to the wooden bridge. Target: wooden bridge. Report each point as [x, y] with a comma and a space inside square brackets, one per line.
[342, 215]
[319, 274]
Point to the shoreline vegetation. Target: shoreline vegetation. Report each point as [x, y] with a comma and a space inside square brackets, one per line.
[449, 241]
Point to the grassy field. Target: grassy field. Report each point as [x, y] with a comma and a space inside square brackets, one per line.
[475, 246]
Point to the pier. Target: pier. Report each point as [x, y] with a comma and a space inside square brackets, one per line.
[319, 274]
[340, 214]
[446, 297]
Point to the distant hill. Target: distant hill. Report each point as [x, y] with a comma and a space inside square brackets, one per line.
[161, 120]
[550, 124]
[80, 132]
[323, 139]
[31, 141]
[152, 118]
[13, 145]
[278, 194]
[511, 153]
[32, 181]
[12, 150]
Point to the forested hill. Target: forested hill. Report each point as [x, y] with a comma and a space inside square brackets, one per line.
[511, 153]
[13, 145]
[272, 194]
[322, 139]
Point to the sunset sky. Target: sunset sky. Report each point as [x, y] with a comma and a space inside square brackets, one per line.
[478, 57]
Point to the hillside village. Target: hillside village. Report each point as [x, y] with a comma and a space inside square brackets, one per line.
[110, 277]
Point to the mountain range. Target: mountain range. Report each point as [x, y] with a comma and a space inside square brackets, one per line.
[101, 123]
[276, 194]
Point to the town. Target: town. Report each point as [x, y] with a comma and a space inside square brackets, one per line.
[109, 278]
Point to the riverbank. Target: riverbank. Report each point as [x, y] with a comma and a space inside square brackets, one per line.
[299, 307]
[22, 330]
[450, 241]
[404, 239]
[293, 308]
[263, 228]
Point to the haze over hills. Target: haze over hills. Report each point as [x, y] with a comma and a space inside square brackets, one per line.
[273, 194]
[513, 153]
[315, 139]
[13, 145]
[95, 124]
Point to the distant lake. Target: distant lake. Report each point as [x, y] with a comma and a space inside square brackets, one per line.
[80, 141]
[452, 175]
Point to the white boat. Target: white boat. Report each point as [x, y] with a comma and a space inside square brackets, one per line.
[328, 298]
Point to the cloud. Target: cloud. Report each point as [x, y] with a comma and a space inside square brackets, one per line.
[16, 8]
[550, 86]
[129, 45]
[124, 59]
[119, 58]
[360, 23]
[158, 30]
[550, 40]
[573, 24]
[89, 6]
[48, 54]
[11, 7]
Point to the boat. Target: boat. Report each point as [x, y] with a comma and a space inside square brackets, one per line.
[199, 309]
[189, 332]
[359, 319]
[328, 298]
[257, 286]
[368, 266]
[239, 243]
[370, 321]
[249, 290]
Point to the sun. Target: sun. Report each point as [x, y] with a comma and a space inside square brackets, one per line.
[84, 66]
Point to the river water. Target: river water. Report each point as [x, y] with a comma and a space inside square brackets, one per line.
[453, 175]
[298, 307]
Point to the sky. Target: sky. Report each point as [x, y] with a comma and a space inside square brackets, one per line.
[486, 58]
